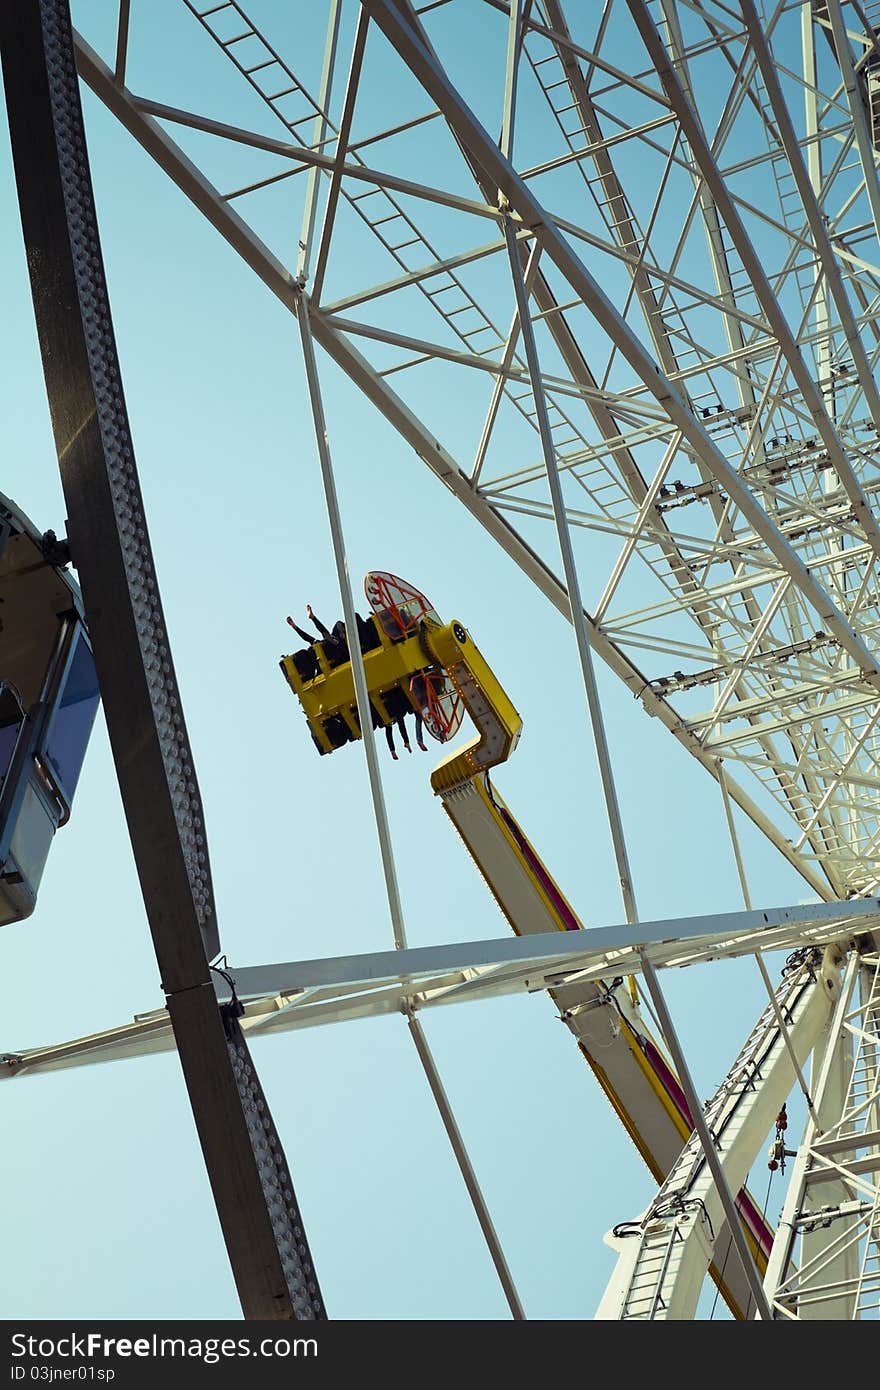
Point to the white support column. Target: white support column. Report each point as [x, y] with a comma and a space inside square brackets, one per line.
[382, 827]
[828, 1246]
[498, 389]
[768, 985]
[320, 134]
[722, 1186]
[351, 627]
[354, 74]
[572, 581]
[779, 1263]
[470, 1178]
[663, 1257]
[514, 47]
[814, 169]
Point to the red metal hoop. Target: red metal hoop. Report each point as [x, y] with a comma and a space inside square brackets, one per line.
[440, 704]
[398, 607]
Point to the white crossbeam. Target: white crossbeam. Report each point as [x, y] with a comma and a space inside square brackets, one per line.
[301, 994]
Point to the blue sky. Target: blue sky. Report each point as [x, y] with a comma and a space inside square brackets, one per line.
[107, 1211]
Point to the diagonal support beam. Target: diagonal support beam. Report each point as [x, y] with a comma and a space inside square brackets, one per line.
[110, 545]
[572, 581]
[624, 225]
[661, 1270]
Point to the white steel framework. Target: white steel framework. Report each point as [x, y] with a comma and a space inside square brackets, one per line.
[661, 258]
[712, 427]
[663, 1257]
[825, 1261]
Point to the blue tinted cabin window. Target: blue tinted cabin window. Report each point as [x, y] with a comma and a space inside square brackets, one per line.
[8, 735]
[10, 725]
[73, 718]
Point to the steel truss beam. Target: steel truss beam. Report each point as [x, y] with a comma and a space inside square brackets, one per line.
[303, 994]
[109, 542]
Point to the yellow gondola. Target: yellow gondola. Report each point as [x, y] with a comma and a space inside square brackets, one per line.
[404, 648]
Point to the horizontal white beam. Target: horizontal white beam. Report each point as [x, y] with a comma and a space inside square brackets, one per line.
[592, 953]
[302, 994]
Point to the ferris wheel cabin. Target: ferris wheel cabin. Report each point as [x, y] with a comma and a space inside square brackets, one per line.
[48, 701]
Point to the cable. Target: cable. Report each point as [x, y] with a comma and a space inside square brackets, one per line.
[234, 1006]
[645, 1003]
[767, 1198]
[626, 1228]
[764, 1217]
[720, 1279]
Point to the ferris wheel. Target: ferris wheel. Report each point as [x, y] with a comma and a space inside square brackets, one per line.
[630, 254]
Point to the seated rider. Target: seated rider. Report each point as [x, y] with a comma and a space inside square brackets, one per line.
[337, 637]
[398, 707]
